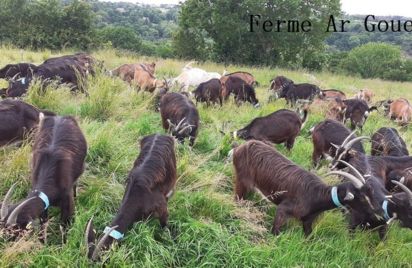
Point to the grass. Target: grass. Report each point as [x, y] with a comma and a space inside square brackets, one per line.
[207, 228]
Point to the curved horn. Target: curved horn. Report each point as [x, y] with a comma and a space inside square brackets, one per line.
[404, 188]
[14, 77]
[334, 145]
[186, 127]
[357, 173]
[180, 123]
[88, 229]
[5, 206]
[353, 141]
[355, 181]
[348, 138]
[99, 246]
[13, 216]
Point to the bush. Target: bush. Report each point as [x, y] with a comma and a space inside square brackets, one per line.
[375, 60]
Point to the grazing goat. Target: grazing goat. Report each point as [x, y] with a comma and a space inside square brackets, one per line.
[209, 91]
[281, 126]
[296, 192]
[59, 151]
[126, 71]
[17, 120]
[386, 141]
[149, 185]
[179, 116]
[248, 78]
[16, 71]
[286, 88]
[326, 137]
[400, 110]
[332, 94]
[378, 169]
[365, 94]
[191, 76]
[357, 111]
[241, 90]
[336, 109]
[146, 81]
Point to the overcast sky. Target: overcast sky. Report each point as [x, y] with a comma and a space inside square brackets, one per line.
[375, 7]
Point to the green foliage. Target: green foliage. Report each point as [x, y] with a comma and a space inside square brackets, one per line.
[120, 37]
[376, 60]
[46, 23]
[211, 30]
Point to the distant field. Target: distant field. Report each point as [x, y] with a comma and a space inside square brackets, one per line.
[206, 227]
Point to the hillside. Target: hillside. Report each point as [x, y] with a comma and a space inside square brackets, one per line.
[206, 227]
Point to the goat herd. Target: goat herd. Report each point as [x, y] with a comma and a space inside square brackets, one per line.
[376, 192]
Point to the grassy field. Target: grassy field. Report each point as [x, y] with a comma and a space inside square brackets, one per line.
[206, 227]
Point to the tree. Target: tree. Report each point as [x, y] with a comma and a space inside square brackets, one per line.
[376, 60]
[120, 37]
[219, 30]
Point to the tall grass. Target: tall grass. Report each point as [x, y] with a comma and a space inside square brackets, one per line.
[207, 228]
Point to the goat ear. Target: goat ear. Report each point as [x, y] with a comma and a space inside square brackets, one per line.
[349, 196]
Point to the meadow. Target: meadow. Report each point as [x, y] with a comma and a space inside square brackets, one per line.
[207, 228]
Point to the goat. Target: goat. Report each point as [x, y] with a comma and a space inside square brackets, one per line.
[386, 141]
[146, 81]
[179, 116]
[286, 88]
[357, 111]
[332, 94]
[17, 120]
[149, 185]
[248, 78]
[296, 192]
[281, 126]
[59, 151]
[209, 91]
[364, 94]
[16, 71]
[400, 110]
[241, 90]
[336, 110]
[326, 136]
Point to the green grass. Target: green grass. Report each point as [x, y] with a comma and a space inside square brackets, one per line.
[207, 228]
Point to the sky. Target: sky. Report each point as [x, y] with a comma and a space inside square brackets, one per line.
[364, 7]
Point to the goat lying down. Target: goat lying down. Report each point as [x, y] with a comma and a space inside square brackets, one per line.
[296, 192]
[149, 185]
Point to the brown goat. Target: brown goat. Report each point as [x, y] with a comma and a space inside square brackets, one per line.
[297, 192]
[336, 110]
[400, 110]
[59, 151]
[146, 81]
[149, 185]
[17, 120]
[365, 94]
[248, 78]
[332, 94]
[179, 116]
[126, 71]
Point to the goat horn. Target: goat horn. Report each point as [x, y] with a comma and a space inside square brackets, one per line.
[5, 206]
[352, 142]
[180, 123]
[334, 145]
[13, 216]
[184, 128]
[404, 188]
[99, 246]
[357, 173]
[88, 229]
[348, 138]
[355, 181]
[14, 77]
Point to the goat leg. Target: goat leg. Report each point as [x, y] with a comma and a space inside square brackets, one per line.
[307, 223]
[281, 217]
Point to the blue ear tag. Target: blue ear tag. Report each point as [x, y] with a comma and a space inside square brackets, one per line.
[114, 234]
[335, 197]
